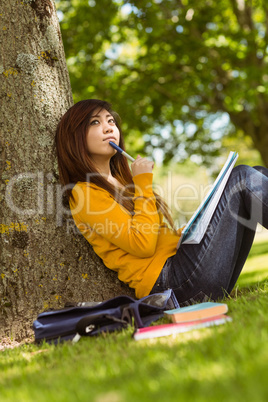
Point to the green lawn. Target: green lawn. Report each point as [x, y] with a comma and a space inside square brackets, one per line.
[256, 267]
[225, 363]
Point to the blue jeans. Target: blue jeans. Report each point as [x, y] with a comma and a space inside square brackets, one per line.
[210, 269]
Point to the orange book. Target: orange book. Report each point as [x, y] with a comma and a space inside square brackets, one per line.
[197, 312]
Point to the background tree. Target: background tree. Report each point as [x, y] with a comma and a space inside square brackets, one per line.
[183, 72]
[44, 262]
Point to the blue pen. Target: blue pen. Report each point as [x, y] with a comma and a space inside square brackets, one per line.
[121, 151]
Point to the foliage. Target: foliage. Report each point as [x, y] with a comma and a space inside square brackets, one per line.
[179, 71]
[212, 364]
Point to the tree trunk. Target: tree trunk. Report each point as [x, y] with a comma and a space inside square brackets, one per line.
[255, 127]
[44, 261]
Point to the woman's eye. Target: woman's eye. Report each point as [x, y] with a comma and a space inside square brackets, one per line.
[93, 122]
[111, 121]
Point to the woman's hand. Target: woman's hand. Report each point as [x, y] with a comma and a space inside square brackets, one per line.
[141, 165]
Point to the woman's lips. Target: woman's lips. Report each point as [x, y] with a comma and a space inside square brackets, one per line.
[110, 139]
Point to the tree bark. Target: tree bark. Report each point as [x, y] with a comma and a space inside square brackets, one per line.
[44, 261]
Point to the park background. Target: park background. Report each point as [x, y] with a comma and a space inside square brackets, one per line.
[187, 77]
[184, 75]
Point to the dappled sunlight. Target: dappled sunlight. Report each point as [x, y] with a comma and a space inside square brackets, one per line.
[213, 371]
[255, 269]
[252, 275]
[261, 235]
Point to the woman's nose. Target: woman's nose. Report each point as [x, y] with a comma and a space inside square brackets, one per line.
[107, 130]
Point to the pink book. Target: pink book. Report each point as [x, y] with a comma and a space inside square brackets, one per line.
[156, 331]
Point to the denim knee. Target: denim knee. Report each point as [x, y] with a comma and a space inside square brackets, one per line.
[261, 169]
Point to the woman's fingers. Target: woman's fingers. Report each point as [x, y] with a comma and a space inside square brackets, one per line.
[141, 165]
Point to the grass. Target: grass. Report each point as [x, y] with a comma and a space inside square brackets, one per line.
[225, 363]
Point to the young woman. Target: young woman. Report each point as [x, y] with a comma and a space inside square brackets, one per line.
[129, 226]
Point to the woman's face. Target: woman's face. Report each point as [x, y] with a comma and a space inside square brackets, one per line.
[102, 129]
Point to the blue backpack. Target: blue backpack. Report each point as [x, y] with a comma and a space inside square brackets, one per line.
[88, 319]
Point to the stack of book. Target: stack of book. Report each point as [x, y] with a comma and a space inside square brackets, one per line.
[186, 319]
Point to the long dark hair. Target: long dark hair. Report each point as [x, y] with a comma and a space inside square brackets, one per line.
[75, 163]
